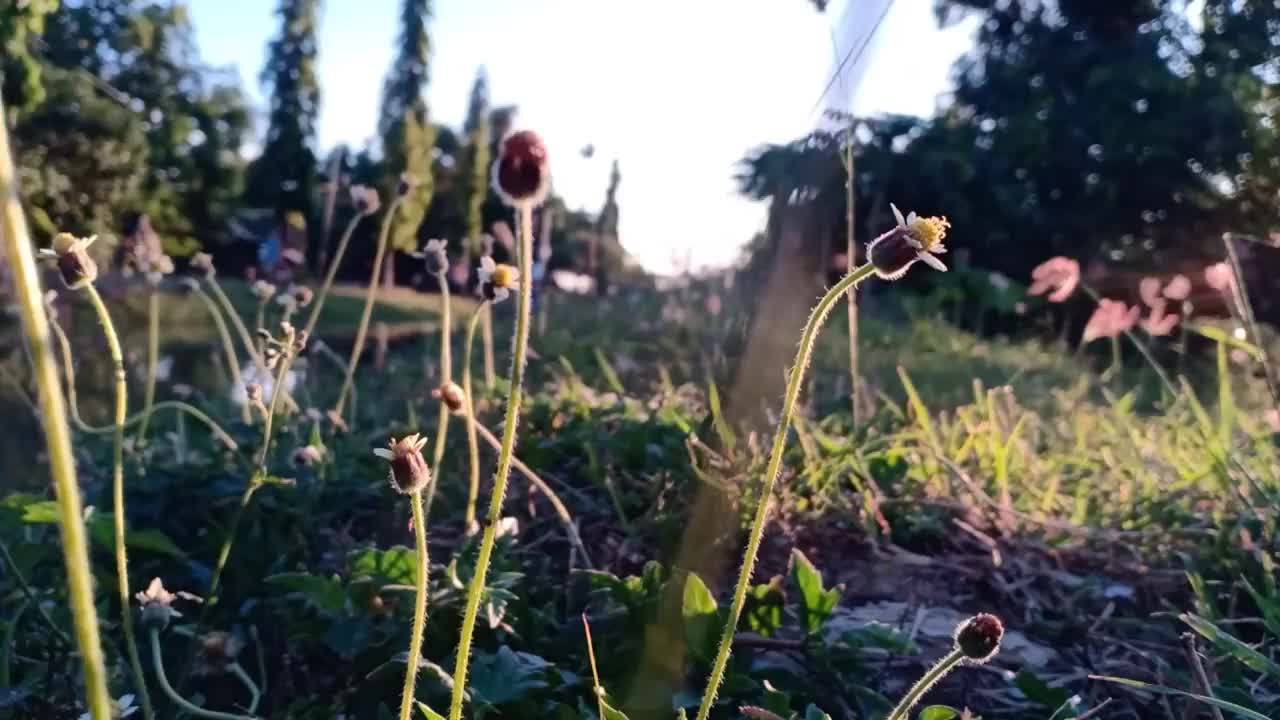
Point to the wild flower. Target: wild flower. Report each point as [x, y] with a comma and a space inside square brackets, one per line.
[263, 290]
[1159, 322]
[121, 708]
[409, 471]
[1058, 276]
[497, 280]
[203, 262]
[365, 199]
[434, 256]
[71, 255]
[301, 294]
[1220, 277]
[1110, 319]
[522, 173]
[157, 604]
[451, 395]
[979, 637]
[308, 456]
[1178, 289]
[914, 238]
[1149, 290]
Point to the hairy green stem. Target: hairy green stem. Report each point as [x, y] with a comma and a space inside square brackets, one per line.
[922, 686]
[371, 295]
[318, 303]
[446, 378]
[158, 661]
[519, 350]
[153, 359]
[794, 381]
[473, 448]
[419, 608]
[75, 546]
[228, 349]
[117, 500]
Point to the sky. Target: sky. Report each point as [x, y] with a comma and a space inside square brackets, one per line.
[678, 91]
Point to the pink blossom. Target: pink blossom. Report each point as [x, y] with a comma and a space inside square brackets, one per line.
[1111, 318]
[1059, 274]
[1159, 323]
[1272, 417]
[1149, 291]
[1178, 289]
[1219, 277]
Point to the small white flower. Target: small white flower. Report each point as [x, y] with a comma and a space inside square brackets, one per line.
[496, 281]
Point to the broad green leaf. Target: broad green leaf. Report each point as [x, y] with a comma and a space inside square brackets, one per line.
[938, 712]
[324, 593]
[816, 601]
[45, 511]
[764, 607]
[102, 530]
[610, 712]
[1039, 691]
[395, 566]
[701, 619]
[506, 676]
[1220, 704]
[1228, 643]
[431, 714]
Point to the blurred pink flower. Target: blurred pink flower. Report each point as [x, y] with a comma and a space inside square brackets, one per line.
[1219, 277]
[713, 303]
[1272, 417]
[1149, 291]
[1059, 274]
[1111, 318]
[1178, 289]
[1159, 323]
[1241, 357]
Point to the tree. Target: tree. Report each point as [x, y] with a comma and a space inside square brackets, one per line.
[476, 160]
[20, 82]
[605, 240]
[408, 137]
[284, 175]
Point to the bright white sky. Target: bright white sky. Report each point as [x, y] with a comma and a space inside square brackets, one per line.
[677, 90]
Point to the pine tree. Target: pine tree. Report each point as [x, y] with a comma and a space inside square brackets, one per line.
[284, 175]
[476, 160]
[408, 136]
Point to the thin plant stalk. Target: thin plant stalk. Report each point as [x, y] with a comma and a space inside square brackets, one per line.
[1142, 349]
[486, 338]
[255, 695]
[158, 661]
[25, 587]
[75, 546]
[228, 348]
[117, 501]
[473, 448]
[153, 358]
[446, 378]
[243, 331]
[370, 297]
[852, 255]
[794, 382]
[1246, 310]
[334, 264]
[419, 607]
[922, 686]
[520, 345]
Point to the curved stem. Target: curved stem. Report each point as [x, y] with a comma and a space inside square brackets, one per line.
[371, 295]
[419, 608]
[255, 695]
[473, 448]
[176, 405]
[117, 500]
[242, 331]
[62, 469]
[519, 351]
[228, 348]
[446, 377]
[922, 686]
[153, 359]
[277, 392]
[158, 662]
[794, 381]
[318, 303]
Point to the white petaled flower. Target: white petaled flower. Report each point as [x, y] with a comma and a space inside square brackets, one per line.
[914, 238]
[123, 708]
[497, 280]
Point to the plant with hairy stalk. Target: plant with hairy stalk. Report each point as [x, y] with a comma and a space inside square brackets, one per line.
[409, 475]
[436, 261]
[79, 272]
[889, 257]
[154, 266]
[68, 366]
[407, 184]
[521, 177]
[366, 202]
[486, 323]
[157, 612]
[473, 448]
[262, 291]
[977, 640]
[75, 545]
[228, 345]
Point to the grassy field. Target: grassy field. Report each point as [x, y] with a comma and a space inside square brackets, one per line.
[1101, 518]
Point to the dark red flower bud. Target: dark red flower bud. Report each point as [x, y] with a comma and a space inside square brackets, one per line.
[521, 172]
[979, 637]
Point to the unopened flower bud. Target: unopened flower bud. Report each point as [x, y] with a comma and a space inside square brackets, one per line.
[435, 257]
[216, 652]
[302, 295]
[74, 264]
[307, 456]
[406, 185]
[409, 470]
[521, 172]
[979, 637]
[451, 395]
[263, 290]
[364, 199]
[203, 262]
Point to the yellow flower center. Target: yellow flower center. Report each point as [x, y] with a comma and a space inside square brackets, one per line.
[930, 231]
[504, 276]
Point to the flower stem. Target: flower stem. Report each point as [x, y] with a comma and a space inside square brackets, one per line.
[75, 547]
[1241, 291]
[371, 295]
[117, 500]
[158, 662]
[446, 377]
[794, 381]
[228, 348]
[486, 337]
[518, 353]
[334, 264]
[922, 686]
[419, 608]
[255, 695]
[243, 332]
[473, 448]
[153, 359]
